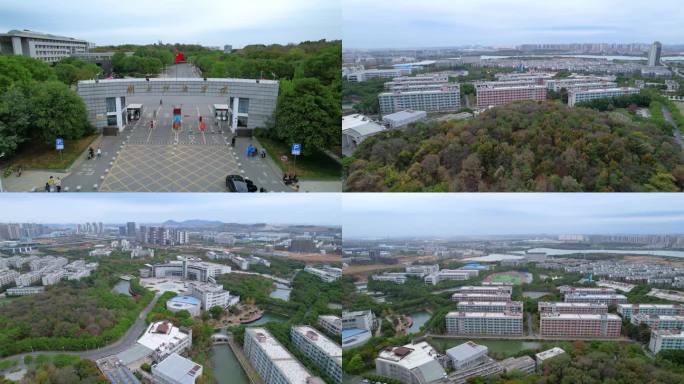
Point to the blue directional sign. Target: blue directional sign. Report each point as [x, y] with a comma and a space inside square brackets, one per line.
[296, 149]
[59, 143]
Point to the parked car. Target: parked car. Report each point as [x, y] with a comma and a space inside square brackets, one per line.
[237, 183]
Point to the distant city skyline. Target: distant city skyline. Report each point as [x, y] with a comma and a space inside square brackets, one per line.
[206, 22]
[73, 208]
[368, 215]
[450, 23]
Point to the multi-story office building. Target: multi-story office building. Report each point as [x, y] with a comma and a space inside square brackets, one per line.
[579, 325]
[24, 291]
[466, 355]
[608, 299]
[189, 268]
[325, 273]
[665, 339]
[326, 354]
[332, 324]
[273, 362]
[491, 94]
[539, 78]
[629, 310]
[484, 323]
[445, 99]
[7, 277]
[656, 322]
[130, 228]
[580, 81]
[490, 306]
[394, 277]
[212, 295]
[42, 46]
[410, 364]
[563, 307]
[450, 274]
[162, 339]
[421, 270]
[654, 54]
[578, 95]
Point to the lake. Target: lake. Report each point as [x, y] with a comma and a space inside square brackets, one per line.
[122, 287]
[281, 292]
[227, 369]
[494, 257]
[608, 57]
[419, 318]
[647, 252]
[266, 318]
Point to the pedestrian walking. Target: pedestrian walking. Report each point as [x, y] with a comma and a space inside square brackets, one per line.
[91, 153]
[99, 153]
[232, 142]
[51, 184]
[58, 184]
[47, 186]
[263, 153]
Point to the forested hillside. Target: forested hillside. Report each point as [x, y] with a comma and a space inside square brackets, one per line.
[524, 146]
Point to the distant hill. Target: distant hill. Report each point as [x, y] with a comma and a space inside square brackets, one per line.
[523, 146]
[191, 223]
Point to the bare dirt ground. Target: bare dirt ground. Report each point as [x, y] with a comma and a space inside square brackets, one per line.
[653, 260]
[362, 271]
[315, 257]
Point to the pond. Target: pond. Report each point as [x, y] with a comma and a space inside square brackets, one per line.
[419, 318]
[281, 292]
[122, 287]
[647, 252]
[504, 347]
[227, 369]
[266, 318]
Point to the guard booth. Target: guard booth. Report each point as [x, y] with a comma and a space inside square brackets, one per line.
[134, 111]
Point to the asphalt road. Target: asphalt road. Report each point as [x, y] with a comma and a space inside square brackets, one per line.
[184, 70]
[128, 340]
[677, 134]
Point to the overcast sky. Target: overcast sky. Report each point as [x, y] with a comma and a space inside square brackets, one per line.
[435, 23]
[455, 214]
[208, 22]
[274, 208]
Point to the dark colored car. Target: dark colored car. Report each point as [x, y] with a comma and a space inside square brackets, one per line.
[237, 183]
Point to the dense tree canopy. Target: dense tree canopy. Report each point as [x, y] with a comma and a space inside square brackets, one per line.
[523, 146]
[34, 105]
[70, 70]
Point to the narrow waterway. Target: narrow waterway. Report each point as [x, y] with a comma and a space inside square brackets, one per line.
[419, 318]
[266, 318]
[226, 367]
[123, 287]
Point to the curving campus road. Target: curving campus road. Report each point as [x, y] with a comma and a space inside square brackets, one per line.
[129, 338]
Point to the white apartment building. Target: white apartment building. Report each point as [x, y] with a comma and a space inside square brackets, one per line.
[24, 291]
[410, 364]
[484, 323]
[42, 46]
[367, 74]
[576, 96]
[7, 277]
[421, 270]
[420, 80]
[445, 99]
[544, 356]
[163, 339]
[629, 310]
[450, 274]
[26, 279]
[486, 289]
[331, 324]
[656, 322]
[325, 353]
[53, 277]
[394, 277]
[665, 339]
[359, 320]
[608, 299]
[563, 307]
[466, 355]
[325, 273]
[273, 362]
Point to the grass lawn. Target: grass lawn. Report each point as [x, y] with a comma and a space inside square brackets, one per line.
[38, 155]
[507, 279]
[315, 166]
[680, 106]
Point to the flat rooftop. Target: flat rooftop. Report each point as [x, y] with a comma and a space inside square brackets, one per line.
[286, 363]
[173, 79]
[653, 306]
[604, 90]
[555, 351]
[491, 303]
[488, 315]
[670, 333]
[573, 305]
[329, 347]
[161, 334]
[410, 355]
[466, 350]
[580, 316]
[182, 369]
[40, 35]
[597, 296]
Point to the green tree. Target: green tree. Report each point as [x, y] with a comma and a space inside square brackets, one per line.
[58, 112]
[216, 312]
[15, 119]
